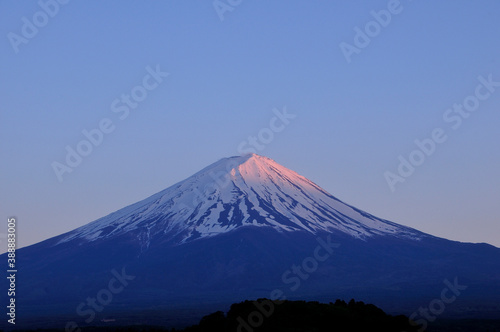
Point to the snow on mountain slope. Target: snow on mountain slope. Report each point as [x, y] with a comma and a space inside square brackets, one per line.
[237, 192]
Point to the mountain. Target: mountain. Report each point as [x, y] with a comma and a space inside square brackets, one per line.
[234, 192]
[242, 228]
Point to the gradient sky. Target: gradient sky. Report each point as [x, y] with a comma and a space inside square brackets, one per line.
[353, 120]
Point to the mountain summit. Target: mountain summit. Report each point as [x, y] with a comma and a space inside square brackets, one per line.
[242, 228]
[234, 192]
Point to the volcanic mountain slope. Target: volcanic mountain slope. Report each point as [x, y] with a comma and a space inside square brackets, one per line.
[242, 228]
[240, 191]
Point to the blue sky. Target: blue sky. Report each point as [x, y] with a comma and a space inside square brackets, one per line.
[353, 118]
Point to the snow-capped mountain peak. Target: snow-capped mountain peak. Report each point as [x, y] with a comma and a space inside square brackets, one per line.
[242, 191]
